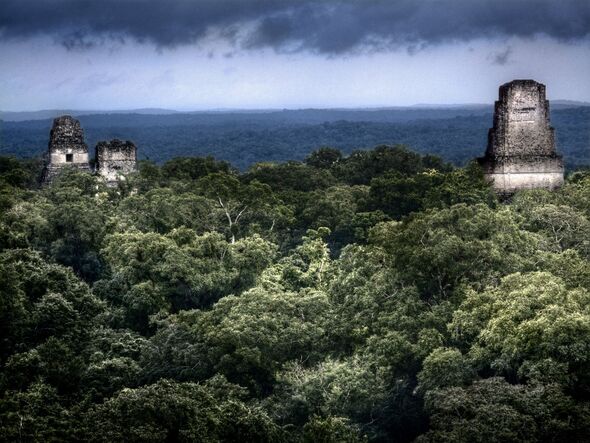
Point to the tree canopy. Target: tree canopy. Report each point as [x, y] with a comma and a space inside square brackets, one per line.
[380, 296]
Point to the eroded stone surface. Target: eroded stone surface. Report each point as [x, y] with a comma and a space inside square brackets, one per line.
[115, 159]
[66, 147]
[521, 145]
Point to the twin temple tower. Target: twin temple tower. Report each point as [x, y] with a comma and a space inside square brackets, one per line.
[113, 160]
[520, 154]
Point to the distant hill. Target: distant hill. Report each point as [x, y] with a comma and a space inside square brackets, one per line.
[460, 108]
[52, 113]
[569, 103]
[456, 134]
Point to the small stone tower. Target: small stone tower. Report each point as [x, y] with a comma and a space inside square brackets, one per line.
[521, 145]
[66, 148]
[114, 159]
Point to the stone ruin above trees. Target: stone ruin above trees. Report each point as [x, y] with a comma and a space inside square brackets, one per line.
[67, 148]
[521, 145]
[520, 153]
[115, 158]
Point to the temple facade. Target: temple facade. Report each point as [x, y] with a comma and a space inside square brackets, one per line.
[66, 148]
[115, 159]
[521, 144]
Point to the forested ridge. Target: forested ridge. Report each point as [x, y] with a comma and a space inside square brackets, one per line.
[379, 296]
[456, 134]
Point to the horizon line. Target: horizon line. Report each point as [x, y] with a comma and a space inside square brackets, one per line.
[275, 109]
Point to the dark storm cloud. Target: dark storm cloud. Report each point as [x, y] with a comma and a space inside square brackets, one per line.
[329, 27]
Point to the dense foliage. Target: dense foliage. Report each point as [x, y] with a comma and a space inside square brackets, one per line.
[380, 296]
[456, 134]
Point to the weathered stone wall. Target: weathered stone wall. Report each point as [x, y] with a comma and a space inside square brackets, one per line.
[115, 159]
[521, 145]
[66, 147]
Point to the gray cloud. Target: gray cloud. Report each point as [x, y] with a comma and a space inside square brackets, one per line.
[331, 27]
[502, 57]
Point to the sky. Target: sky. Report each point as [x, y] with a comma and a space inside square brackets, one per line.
[257, 54]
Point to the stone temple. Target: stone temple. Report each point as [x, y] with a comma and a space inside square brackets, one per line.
[521, 145]
[67, 148]
[115, 159]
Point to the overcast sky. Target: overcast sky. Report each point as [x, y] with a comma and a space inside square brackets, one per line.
[211, 54]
